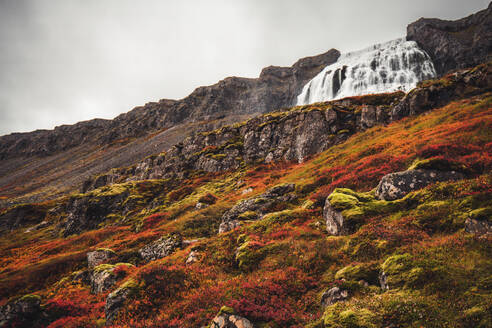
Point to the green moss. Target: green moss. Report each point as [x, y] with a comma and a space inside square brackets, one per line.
[338, 316]
[248, 215]
[477, 317]
[482, 214]
[104, 267]
[364, 271]
[226, 310]
[218, 157]
[30, 298]
[343, 131]
[109, 250]
[342, 199]
[249, 254]
[439, 164]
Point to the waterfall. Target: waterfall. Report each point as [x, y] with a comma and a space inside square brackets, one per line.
[386, 67]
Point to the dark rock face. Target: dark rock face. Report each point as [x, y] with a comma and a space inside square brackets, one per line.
[465, 83]
[100, 256]
[256, 206]
[279, 136]
[161, 248]
[333, 296]
[276, 88]
[21, 312]
[335, 223]
[88, 211]
[396, 185]
[21, 215]
[455, 44]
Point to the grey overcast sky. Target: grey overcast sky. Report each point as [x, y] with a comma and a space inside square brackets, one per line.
[63, 61]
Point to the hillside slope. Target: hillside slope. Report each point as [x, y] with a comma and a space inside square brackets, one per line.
[309, 243]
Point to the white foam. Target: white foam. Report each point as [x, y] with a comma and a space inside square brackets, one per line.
[386, 67]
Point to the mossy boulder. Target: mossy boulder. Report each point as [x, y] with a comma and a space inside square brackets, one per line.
[407, 271]
[117, 299]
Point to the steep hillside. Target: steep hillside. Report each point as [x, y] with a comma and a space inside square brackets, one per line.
[334, 239]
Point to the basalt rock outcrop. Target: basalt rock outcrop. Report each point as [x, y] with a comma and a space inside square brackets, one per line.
[100, 256]
[292, 135]
[276, 87]
[455, 44]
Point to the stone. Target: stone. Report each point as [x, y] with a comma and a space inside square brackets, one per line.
[396, 185]
[335, 223]
[100, 256]
[333, 296]
[225, 320]
[162, 247]
[116, 300]
[383, 281]
[18, 313]
[102, 279]
[193, 257]
[253, 208]
[478, 227]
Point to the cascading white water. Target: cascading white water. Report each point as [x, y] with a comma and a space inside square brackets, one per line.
[386, 67]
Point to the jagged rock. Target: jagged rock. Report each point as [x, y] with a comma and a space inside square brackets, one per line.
[20, 312]
[102, 279]
[335, 223]
[455, 44]
[396, 185]
[116, 300]
[253, 208]
[383, 281]
[162, 247]
[333, 296]
[100, 256]
[478, 227]
[230, 320]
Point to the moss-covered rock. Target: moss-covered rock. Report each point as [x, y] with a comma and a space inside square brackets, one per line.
[338, 316]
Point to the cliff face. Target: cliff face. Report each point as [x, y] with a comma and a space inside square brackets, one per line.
[276, 87]
[298, 133]
[455, 44]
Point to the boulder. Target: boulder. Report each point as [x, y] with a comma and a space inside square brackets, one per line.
[335, 223]
[116, 300]
[478, 227]
[102, 278]
[227, 319]
[100, 256]
[162, 247]
[20, 312]
[193, 257]
[396, 185]
[333, 296]
[253, 208]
